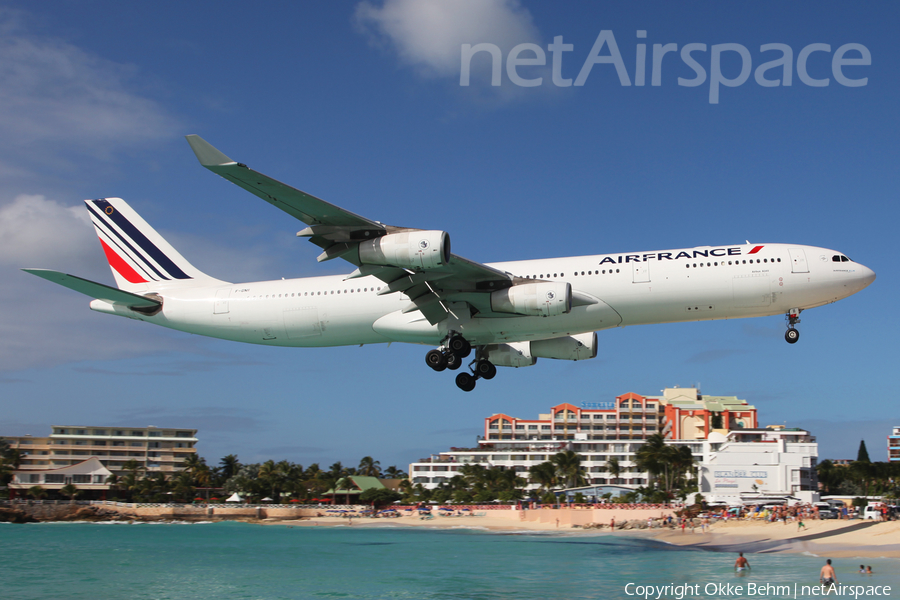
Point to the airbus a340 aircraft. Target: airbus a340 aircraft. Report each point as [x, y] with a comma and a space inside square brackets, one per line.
[409, 287]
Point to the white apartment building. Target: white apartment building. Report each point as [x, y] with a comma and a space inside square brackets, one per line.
[154, 448]
[775, 461]
[600, 431]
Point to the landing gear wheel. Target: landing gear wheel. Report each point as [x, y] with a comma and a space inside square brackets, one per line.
[459, 346]
[791, 335]
[485, 369]
[436, 360]
[465, 382]
[453, 361]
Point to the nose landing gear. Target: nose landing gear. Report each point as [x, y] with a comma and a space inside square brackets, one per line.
[793, 317]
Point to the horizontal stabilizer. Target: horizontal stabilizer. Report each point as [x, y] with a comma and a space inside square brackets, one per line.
[95, 290]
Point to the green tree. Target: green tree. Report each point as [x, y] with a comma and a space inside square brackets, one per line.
[37, 492]
[230, 466]
[568, 468]
[69, 490]
[543, 474]
[862, 455]
[182, 486]
[392, 472]
[614, 469]
[369, 467]
[379, 497]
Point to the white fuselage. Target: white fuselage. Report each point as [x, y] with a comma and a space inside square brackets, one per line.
[722, 282]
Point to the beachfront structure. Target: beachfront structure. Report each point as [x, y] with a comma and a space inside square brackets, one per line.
[678, 414]
[89, 475]
[770, 462]
[688, 415]
[894, 445]
[602, 431]
[349, 489]
[155, 449]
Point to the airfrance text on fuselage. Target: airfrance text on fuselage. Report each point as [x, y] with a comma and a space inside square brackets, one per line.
[715, 252]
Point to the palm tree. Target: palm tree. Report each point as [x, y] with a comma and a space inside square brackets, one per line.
[368, 467]
[69, 490]
[392, 472]
[613, 468]
[654, 456]
[230, 466]
[37, 492]
[544, 474]
[113, 481]
[182, 488]
[568, 467]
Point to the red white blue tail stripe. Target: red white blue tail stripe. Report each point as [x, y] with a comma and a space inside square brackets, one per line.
[136, 253]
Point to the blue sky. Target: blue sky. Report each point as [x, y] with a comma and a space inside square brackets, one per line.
[360, 103]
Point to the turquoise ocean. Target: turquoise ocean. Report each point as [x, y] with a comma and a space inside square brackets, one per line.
[231, 561]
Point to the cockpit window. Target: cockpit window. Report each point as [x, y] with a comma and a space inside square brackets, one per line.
[840, 258]
[844, 259]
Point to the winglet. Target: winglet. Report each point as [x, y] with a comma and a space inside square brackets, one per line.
[208, 155]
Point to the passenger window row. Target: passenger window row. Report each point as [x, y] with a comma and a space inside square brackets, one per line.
[736, 262]
[325, 293]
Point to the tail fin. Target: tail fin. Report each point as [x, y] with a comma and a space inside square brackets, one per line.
[139, 257]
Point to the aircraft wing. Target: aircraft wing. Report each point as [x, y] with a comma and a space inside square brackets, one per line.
[300, 205]
[96, 290]
[337, 231]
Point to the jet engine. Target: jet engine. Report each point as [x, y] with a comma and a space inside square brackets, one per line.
[544, 299]
[409, 250]
[572, 347]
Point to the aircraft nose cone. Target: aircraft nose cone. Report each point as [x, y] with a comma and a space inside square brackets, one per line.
[866, 276]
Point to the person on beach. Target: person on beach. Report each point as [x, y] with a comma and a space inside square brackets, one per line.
[741, 564]
[800, 525]
[826, 575]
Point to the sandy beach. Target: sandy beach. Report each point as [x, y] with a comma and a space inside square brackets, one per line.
[832, 538]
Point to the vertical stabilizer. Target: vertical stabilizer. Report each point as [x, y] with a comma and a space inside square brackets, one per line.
[139, 257]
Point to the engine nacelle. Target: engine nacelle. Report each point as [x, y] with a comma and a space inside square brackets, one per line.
[517, 354]
[573, 347]
[545, 299]
[409, 250]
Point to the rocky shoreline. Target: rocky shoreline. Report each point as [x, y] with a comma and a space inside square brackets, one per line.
[72, 512]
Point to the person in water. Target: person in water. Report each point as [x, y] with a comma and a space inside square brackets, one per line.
[741, 564]
[826, 575]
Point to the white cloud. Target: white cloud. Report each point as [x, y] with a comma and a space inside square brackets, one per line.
[56, 97]
[428, 34]
[35, 231]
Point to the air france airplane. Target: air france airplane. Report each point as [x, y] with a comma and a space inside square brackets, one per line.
[409, 287]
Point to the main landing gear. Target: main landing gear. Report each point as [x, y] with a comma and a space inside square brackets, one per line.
[793, 317]
[451, 357]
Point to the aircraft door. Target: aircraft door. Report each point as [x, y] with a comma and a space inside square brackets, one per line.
[221, 305]
[640, 272]
[798, 260]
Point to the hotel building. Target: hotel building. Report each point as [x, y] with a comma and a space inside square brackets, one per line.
[894, 445]
[600, 431]
[86, 454]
